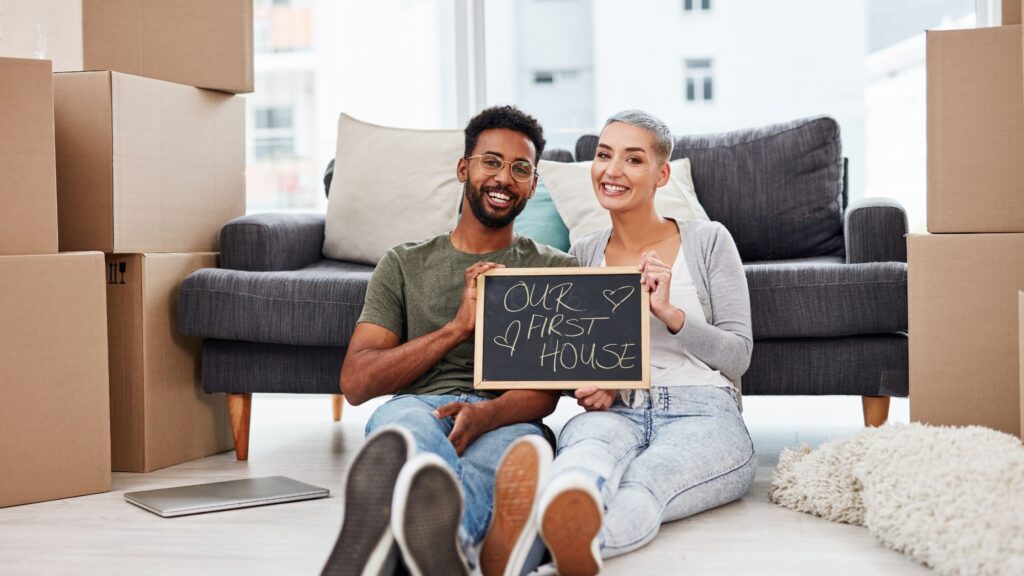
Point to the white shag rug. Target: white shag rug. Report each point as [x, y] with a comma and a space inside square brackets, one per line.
[950, 498]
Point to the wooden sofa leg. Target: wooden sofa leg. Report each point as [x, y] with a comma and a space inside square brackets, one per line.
[876, 410]
[239, 410]
[338, 401]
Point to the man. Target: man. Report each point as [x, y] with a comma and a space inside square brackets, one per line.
[414, 340]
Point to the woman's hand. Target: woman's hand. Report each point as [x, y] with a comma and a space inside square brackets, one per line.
[592, 398]
[656, 278]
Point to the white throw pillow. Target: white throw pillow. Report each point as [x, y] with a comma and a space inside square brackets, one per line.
[573, 194]
[390, 186]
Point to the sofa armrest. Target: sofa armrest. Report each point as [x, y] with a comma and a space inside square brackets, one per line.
[874, 230]
[272, 242]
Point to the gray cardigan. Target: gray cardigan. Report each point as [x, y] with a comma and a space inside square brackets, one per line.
[725, 341]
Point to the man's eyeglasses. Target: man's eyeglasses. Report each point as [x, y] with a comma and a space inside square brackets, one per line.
[491, 165]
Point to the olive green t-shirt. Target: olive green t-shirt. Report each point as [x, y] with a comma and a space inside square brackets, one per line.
[417, 288]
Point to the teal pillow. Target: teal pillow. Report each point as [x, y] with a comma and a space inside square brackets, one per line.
[541, 222]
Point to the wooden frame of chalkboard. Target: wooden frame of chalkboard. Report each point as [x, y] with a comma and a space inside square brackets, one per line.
[562, 328]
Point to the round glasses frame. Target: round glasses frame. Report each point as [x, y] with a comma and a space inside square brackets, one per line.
[492, 165]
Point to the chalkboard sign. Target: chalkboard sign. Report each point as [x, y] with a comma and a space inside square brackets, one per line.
[562, 328]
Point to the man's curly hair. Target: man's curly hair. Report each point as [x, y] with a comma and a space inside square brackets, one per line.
[508, 117]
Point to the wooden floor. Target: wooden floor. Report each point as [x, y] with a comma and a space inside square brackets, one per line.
[294, 436]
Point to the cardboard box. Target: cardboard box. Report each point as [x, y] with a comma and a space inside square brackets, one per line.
[963, 298]
[145, 165]
[1011, 10]
[204, 43]
[54, 411]
[1020, 337]
[159, 414]
[28, 187]
[975, 130]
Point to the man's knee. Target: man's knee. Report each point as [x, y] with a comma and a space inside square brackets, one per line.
[408, 412]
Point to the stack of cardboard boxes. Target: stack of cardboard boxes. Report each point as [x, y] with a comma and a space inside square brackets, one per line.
[54, 419]
[137, 150]
[965, 276]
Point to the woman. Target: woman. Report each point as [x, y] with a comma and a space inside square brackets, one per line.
[636, 459]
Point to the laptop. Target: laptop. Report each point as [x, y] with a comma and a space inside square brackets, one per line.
[199, 498]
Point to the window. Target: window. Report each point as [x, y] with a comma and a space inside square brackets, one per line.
[699, 80]
[859, 61]
[315, 59]
[691, 5]
[273, 148]
[274, 136]
[270, 118]
[553, 76]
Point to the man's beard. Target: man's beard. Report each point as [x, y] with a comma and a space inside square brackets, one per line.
[478, 204]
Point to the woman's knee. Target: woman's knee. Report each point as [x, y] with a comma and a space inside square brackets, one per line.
[597, 427]
[718, 491]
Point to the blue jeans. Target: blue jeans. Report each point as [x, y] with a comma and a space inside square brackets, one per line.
[683, 451]
[475, 469]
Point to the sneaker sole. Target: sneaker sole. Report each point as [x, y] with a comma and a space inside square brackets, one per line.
[428, 514]
[570, 524]
[366, 546]
[519, 476]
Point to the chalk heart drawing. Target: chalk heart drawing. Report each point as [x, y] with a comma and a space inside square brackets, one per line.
[618, 296]
[509, 340]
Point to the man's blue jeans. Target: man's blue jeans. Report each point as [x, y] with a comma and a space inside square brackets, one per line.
[477, 465]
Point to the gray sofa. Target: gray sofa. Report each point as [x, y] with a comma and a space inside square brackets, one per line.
[827, 280]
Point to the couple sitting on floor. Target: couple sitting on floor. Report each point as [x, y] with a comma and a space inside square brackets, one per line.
[453, 479]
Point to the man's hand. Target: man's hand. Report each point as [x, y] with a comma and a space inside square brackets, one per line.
[592, 398]
[465, 318]
[470, 422]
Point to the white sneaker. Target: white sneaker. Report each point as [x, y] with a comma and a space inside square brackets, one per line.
[522, 474]
[571, 514]
[426, 516]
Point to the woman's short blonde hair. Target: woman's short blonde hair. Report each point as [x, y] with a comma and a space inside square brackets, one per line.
[663, 142]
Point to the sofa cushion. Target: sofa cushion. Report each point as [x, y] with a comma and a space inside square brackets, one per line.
[873, 365]
[315, 306]
[390, 186]
[540, 221]
[814, 299]
[246, 367]
[573, 193]
[777, 189]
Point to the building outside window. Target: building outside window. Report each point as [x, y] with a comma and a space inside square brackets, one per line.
[749, 63]
[274, 136]
[699, 77]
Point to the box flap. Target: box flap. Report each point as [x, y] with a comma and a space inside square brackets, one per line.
[28, 183]
[125, 333]
[84, 142]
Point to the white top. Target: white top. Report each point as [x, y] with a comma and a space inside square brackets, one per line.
[671, 363]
